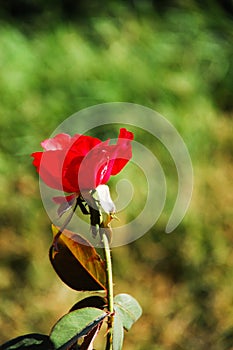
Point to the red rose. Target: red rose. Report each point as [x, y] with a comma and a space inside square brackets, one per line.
[77, 163]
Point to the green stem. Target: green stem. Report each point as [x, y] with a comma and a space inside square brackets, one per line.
[107, 255]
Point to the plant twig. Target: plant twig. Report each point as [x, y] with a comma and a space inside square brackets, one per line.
[67, 221]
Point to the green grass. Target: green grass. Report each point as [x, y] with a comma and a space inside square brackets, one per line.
[178, 65]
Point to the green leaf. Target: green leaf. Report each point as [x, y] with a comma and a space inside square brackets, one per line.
[77, 263]
[75, 325]
[128, 309]
[29, 342]
[118, 333]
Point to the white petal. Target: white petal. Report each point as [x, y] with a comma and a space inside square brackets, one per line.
[105, 199]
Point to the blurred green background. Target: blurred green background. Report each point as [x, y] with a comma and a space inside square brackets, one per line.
[174, 57]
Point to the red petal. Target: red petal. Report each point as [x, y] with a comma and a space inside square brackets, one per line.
[82, 145]
[58, 142]
[70, 172]
[125, 134]
[87, 169]
[49, 166]
[123, 151]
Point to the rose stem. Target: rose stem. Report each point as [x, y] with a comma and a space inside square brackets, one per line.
[67, 221]
[107, 256]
